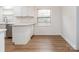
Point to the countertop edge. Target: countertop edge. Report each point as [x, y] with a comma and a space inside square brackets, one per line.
[3, 30]
[23, 24]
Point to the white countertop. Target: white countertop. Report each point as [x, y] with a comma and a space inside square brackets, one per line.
[3, 30]
[22, 24]
[3, 23]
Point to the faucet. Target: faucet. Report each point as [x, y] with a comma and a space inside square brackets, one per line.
[5, 19]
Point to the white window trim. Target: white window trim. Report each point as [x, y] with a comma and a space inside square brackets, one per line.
[44, 24]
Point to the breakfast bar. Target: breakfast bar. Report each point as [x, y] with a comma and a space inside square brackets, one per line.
[22, 33]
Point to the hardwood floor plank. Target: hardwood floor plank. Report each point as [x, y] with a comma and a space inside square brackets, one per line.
[40, 44]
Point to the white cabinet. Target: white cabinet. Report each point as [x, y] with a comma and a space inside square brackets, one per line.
[2, 47]
[2, 40]
[17, 11]
[24, 11]
[30, 11]
[22, 34]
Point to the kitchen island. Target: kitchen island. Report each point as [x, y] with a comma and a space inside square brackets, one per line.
[22, 33]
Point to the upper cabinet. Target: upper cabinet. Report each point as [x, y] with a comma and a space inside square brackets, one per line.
[17, 11]
[24, 11]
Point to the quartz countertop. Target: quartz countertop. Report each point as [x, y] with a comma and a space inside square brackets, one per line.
[3, 30]
[3, 23]
[22, 24]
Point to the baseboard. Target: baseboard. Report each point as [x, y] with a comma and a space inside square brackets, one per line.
[22, 43]
[46, 35]
[66, 39]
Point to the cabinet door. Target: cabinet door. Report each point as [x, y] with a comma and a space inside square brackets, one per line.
[27, 11]
[18, 11]
[24, 11]
[30, 11]
[9, 30]
[2, 44]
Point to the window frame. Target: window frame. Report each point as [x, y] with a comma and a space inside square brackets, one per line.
[44, 17]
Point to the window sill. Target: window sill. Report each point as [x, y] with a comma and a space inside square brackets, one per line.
[44, 24]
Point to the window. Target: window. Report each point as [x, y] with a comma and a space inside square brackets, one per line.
[44, 17]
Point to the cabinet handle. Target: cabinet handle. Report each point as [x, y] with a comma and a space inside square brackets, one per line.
[5, 19]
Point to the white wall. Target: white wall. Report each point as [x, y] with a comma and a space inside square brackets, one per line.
[55, 27]
[25, 12]
[77, 27]
[1, 12]
[24, 20]
[69, 25]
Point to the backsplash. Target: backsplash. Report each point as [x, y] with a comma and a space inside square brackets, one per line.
[25, 20]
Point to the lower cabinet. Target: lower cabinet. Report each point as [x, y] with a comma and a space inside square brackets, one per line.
[9, 30]
[22, 34]
[2, 42]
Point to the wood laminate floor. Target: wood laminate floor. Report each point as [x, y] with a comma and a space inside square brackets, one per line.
[40, 44]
